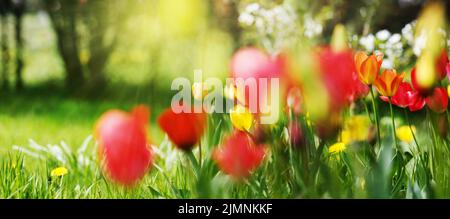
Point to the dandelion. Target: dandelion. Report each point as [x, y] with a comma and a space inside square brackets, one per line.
[59, 171]
[404, 133]
[337, 148]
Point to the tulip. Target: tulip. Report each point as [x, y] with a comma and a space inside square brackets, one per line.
[447, 68]
[337, 72]
[417, 102]
[367, 67]
[253, 63]
[294, 100]
[425, 73]
[441, 65]
[241, 118]
[238, 156]
[448, 90]
[406, 96]
[360, 90]
[438, 100]
[183, 129]
[296, 136]
[402, 97]
[339, 38]
[123, 146]
[388, 82]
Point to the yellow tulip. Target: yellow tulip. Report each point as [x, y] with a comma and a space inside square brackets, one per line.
[339, 38]
[241, 118]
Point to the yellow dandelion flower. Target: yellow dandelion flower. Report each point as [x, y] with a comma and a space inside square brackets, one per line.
[59, 171]
[404, 133]
[358, 127]
[337, 148]
[241, 118]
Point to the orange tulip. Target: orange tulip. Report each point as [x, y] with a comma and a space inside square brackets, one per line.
[388, 82]
[367, 67]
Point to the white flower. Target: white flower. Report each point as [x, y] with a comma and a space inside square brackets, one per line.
[312, 28]
[246, 19]
[368, 42]
[419, 43]
[387, 64]
[252, 7]
[395, 38]
[408, 33]
[383, 35]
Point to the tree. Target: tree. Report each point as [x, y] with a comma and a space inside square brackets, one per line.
[5, 7]
[18, 9]
[226, 17]
[101, 20]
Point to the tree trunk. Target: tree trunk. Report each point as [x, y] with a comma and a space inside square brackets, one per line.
[64, 24]
[5, 51]
[19, 49]
[226, 16]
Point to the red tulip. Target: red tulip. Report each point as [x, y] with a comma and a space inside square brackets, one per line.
[360, 90]
[441, 65]
[253, 63]
[438, 100]
[123, 146]
[295, 100]
[403, 96]
[442, 68]
[406, 96]
[339, 75]
[238, 156]
[448, 70]
[296, 136]
[183, 129]
[417, 102]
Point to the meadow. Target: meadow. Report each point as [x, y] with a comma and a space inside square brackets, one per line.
[363, 110]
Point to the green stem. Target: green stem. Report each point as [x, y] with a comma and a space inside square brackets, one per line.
[376, 116]
[194, 163]
[411, 129]
[415, 141]
[393, 124]
[200, 153]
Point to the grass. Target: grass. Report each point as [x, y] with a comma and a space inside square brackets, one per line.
[53, 119]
